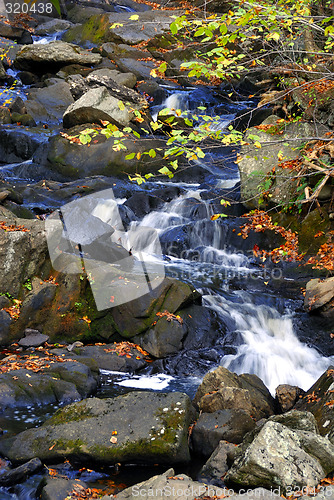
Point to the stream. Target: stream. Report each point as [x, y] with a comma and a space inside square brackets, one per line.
[261, 327]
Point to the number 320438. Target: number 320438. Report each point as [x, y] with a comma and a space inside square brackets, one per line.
[18, 8]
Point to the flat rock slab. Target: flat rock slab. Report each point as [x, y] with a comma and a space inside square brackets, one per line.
[139, 427]
[120, 357]
[54, 54]
[33, 340]
[38, 381]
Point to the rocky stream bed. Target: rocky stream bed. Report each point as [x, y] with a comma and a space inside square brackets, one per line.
[215, 381]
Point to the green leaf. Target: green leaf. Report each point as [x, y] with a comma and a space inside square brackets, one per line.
[162, 68]
[152, 153]
[130, 156]
[173, 28]
[164, 171]
[121, 105]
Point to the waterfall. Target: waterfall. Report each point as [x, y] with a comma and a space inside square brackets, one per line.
[268, 346]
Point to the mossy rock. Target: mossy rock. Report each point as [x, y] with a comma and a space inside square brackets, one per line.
[140, 427]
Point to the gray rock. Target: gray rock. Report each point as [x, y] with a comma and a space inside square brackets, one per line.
[227, 425]
[112, 50]
[287, 396]
[60, 383]
[52, 26]
[18, 145]
[218, 463]
[142, 69]
[281, 457]
[11, 32]
[127, 79]
[58, 489]
[53, 55]
[96, 105]
[107, 358]
[139, 427]
[164, 338]
[48, 104]
[73, 161]
[297, 420]
[222, 389]
[135, 317]
[18, 106]
[19, 474]
[33, 340]
[97, 28]
[4, 302]
[319, 296]
[22, 254]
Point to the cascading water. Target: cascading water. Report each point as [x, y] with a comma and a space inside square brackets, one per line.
[268, 346]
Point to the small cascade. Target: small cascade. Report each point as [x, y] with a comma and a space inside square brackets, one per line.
[268, 346]
[177, 100]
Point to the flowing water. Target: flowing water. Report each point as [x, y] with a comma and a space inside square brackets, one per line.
[258, 329]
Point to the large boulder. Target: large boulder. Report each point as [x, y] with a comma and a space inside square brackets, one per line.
[222, 389]
[41, 58]
[319, 296]
[74, 161]
[98, 105]
[120, 28]
[286, 452]
[139, 427]
[319, 400]
[163, 338]
[40, 382]
[137, 316]
[257, 163]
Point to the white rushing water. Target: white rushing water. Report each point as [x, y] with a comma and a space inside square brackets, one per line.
[268, 346]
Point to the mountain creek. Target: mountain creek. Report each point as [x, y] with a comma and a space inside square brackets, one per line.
[146, 349]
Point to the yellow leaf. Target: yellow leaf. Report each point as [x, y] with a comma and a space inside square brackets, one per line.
[135, 17]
